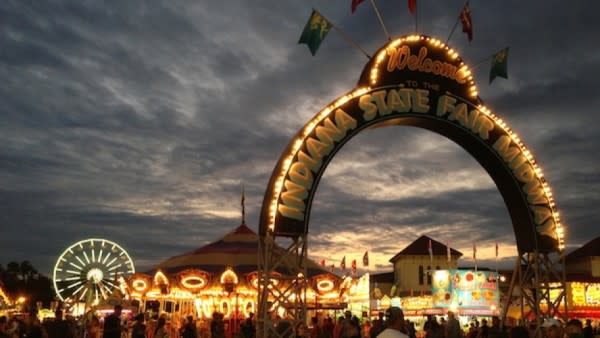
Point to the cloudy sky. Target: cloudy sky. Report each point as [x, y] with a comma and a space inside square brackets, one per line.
[139, 122]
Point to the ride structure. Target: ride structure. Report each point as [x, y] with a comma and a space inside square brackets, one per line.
[419, 81]
[89, 270]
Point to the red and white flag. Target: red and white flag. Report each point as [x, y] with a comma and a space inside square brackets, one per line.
[322, 262]
[412, 6]
[343, 264]
[465, 19]
[366, 258]
[354, 266]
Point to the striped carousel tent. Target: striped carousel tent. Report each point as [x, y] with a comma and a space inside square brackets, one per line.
[223, 276]
[237, 250]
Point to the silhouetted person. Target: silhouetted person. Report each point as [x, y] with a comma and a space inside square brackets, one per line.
[519, 332]
[588, 331]
[453, 327]
[395, 324]
[483, 329]
[58, 328]
[248, 329]
[161, 330]
[378, 326]
[34, 327]
[112, 324]
[138, 330]
[189, 329]
[217, 326]
[495, 331]
[574, 329]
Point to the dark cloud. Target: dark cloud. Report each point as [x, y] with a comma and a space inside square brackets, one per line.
[140, 121]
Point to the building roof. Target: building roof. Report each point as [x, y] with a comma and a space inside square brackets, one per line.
[420, 247]
[591, 248]
[238, 249]
[384, 277]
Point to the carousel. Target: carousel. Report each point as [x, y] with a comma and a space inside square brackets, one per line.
[222, 277]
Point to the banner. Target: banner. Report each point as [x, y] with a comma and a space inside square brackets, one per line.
[465, 289]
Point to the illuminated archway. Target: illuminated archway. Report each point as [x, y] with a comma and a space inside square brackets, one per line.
[416, 81]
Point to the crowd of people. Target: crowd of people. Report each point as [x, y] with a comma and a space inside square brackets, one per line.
[111, 326]
[392, 324]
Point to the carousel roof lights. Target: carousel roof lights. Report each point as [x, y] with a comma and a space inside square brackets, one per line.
[229, 276]
[139, 284]
[160, 278]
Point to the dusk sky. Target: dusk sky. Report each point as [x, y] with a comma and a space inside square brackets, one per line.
[140, 121]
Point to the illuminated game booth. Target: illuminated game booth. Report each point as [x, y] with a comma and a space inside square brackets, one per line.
[466, 292]
[222, 277]
[584, 299]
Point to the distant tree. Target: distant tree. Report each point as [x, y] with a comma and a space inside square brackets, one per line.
[22, 279]
[13, 269]
[27, 270]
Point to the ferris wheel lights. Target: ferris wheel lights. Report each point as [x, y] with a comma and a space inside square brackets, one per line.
[90, 276]
[74, 265]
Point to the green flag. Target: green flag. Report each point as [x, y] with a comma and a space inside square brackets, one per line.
[499, 65]
[315, 31]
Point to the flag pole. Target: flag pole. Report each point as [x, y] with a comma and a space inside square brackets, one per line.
[417, 19]
[497, 273]
[481, 62]
[456, 22]
[475, 255]
[387, 35]
[346, 37]
[243, 205]
[350, 40]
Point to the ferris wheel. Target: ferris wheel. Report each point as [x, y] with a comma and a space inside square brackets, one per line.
[88, 270]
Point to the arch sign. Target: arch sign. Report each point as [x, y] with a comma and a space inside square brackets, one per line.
[417, 81]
